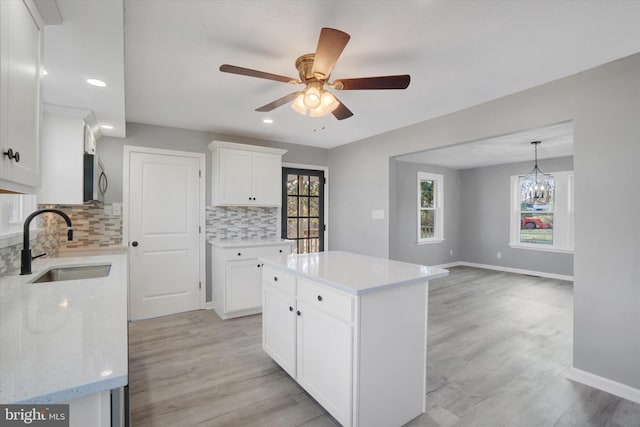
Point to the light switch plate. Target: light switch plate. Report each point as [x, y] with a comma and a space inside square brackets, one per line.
[117, 208]
[377, 214]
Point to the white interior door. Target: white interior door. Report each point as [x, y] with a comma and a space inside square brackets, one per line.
[163, 234]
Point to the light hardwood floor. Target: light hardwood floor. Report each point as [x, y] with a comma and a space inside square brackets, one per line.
[499, 349]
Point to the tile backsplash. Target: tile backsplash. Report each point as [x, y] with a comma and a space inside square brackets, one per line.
[94, 226]
[237, 222]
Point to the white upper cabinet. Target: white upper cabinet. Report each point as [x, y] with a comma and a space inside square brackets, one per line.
[246, 175]
[20, 73]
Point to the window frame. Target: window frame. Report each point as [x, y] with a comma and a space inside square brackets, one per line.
[438, 201]
[18, 206]
[563, 215]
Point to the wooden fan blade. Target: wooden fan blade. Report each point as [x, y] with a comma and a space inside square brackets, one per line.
[342, 112]
[226, 68]
[330, 45]
[382, 82]
[278, 102]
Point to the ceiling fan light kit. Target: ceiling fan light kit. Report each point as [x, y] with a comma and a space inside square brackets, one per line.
[314, 70]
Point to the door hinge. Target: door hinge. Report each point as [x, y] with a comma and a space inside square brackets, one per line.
[324, 180]
[199, 229]
[324, 227]
[200, 173]
[199, 285]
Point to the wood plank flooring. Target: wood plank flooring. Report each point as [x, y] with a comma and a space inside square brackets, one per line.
[499, 348]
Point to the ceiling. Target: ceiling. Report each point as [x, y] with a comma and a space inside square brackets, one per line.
[556, 141]
[458, 54]
[89, 43]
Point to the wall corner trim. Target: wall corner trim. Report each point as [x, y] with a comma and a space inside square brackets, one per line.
[507, 269]
[592, 380]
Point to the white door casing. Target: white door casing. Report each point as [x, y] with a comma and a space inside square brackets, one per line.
[163, 227]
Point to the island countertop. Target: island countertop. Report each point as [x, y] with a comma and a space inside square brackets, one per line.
[353, 273]
[66, 339]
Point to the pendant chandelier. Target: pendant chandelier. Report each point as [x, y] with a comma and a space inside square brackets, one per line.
[536, 186]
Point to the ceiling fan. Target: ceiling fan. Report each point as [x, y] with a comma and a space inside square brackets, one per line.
[314, 70]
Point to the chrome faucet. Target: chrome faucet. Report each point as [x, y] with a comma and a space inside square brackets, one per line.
[25, 265]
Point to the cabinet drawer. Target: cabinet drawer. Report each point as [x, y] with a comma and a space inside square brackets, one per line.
[326, 299]
[283, 281]
[256, 251]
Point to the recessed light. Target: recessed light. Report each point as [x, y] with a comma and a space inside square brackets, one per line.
[96, 82]
[44, 72]
[108, 127]
[267, 121]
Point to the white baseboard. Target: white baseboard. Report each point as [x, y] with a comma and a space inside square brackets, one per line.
[618, 389]
[507, 269]
[209, 305]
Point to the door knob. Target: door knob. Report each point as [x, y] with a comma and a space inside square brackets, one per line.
[134, 243]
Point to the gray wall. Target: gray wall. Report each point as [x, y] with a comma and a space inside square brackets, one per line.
[403, 215]
[110, 152]
[604, 104]
[485, 219]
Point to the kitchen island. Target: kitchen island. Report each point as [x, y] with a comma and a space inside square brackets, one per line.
[351, 330]
[65, 341]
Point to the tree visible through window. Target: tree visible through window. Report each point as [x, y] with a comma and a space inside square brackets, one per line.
[430, 209]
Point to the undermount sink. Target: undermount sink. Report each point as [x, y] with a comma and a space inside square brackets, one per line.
[58, 274]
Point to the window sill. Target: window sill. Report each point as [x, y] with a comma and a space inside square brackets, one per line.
[428, 242]
[15, 238]
[541, 248]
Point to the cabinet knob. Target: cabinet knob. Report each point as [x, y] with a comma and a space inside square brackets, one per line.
[134, 243]
[298, 313]
[12, 155]
[275, 278]
[290, 308]
[280, 250]
[320, 298]
[249, 198]
[260, 265]
[239, 253]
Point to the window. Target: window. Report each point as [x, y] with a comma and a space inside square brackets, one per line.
[430, 208]
[543, 223]
[14, 208]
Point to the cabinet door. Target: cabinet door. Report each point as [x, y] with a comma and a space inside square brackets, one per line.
[20, 92]
[279, 327]
[267, 176]
[243, 286]
[324, 357]
[235, 177]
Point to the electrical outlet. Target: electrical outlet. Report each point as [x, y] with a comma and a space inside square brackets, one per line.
[450, 252]
[499, 255]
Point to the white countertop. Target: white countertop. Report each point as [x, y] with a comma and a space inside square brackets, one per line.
[63, 340]
[353, 273]
[242, 243]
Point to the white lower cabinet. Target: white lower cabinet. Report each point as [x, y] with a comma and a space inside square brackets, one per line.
[92, 410]
[236, 273]
[324, 358]
[362, 357]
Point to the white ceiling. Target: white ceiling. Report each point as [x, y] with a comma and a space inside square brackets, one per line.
[88, 44]
[556, 141]
[458, 53]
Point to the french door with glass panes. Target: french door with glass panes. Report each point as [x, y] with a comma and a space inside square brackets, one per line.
[303, 209]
